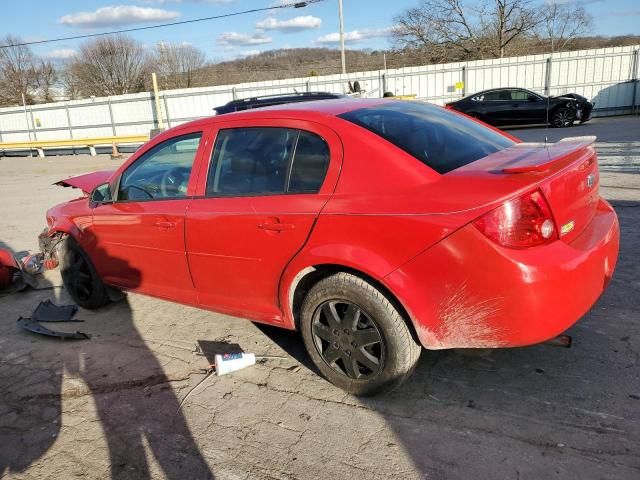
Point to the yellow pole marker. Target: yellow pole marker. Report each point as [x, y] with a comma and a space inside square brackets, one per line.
[157, 99]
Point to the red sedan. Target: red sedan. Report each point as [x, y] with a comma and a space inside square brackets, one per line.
[375, 227]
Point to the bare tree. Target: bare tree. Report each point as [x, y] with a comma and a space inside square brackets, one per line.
[18, 72]
[562, 23]
[453, 29]
[510, 19]
[178, 65]
[46, 79]
[113, 65]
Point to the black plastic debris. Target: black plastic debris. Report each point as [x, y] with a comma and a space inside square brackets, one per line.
[33, 326]
[47, 311]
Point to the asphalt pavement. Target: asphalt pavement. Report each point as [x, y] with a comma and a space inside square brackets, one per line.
[617, 139]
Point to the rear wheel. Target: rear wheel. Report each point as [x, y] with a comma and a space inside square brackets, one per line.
[80, 277]
[562, 117]
[356, 337]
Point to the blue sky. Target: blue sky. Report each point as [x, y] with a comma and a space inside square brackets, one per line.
[367, 23]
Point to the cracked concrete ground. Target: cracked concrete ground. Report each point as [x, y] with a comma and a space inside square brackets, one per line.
[109, 406]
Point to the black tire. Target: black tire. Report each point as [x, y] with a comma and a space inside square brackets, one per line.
[366, 364]
[562, 117]
[80, 277]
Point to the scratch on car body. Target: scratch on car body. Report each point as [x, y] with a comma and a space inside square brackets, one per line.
[465, 322]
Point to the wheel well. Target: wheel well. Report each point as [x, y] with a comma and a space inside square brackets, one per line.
[320, 272]
[566, 105]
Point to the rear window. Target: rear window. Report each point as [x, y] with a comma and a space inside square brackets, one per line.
[438, 138]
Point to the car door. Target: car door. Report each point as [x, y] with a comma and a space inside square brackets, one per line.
[527, 108]
[267, 182]
[496, 106]
[140, 236]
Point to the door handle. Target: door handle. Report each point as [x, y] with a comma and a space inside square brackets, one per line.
[276, 227]
[164, 224]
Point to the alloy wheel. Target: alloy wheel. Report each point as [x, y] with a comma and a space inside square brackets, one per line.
[562, 118]
[348, 339]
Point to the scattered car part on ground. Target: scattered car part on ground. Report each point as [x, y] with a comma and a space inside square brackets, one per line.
[34, 326]
[13, 276]
[32, 263]
[8, 268]
[375, 227]
[519, 106]
[47, 311]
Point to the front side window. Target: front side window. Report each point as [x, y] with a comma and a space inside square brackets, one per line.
[435, 136]
[266, 161]
[162, 172]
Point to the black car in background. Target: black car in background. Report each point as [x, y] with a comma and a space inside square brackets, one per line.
[518, 106]
[270, 100]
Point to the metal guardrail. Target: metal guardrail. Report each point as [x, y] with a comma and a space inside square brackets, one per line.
[40, 145]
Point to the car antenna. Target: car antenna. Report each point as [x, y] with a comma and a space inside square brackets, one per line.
[546, 125]
[548, 94]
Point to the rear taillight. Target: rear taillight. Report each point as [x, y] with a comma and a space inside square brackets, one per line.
[523, 222]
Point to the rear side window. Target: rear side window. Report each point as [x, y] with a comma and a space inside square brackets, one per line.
[496, 95]
[266, 161]
[251, 161]
[310, 164]
[519, 95]
[438, 138]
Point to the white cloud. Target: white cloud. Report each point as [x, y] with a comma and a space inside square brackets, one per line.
[117, 16]
[249, 53]
[235, 39]
[295, 24]
[60, 54]
[354, 36]
[164, 2]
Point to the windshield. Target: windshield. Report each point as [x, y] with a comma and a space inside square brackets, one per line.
[437, 137]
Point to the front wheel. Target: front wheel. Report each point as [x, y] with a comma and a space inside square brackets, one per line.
[562, 118]
[356, 337]
[80, 277]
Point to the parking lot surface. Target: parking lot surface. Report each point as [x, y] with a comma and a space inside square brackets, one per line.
[617, 139]
[121, 404]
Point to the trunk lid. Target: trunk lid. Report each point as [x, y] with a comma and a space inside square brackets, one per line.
[565, 171]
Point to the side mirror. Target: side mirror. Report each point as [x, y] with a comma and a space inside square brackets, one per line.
[532, 98]
[101, 194]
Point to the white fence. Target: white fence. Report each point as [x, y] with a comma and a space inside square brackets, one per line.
[608, 76]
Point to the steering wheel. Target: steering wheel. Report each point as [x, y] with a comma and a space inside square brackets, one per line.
[173, 182]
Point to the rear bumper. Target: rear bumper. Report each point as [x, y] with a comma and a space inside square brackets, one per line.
[467, 292]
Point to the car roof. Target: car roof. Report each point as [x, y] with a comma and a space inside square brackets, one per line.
[302, 110]
[259, 101]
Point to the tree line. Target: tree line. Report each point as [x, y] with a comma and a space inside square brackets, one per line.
[433, 31]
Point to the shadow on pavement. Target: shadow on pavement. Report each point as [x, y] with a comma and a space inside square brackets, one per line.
[44, 378]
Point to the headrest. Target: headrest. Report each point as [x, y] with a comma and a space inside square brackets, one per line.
[243, 162]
